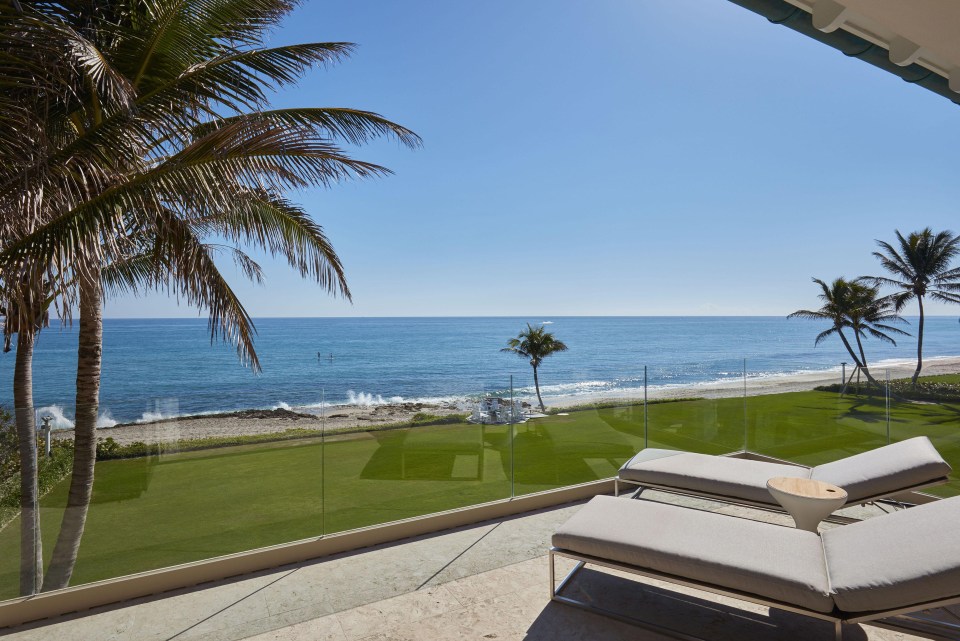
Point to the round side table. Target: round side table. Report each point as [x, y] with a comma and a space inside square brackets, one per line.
[807, 501]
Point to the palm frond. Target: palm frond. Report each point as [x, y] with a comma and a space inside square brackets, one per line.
[189, 271]
[263, 219]
[824, 334]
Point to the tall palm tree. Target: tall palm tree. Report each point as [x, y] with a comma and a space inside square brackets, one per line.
[45, 64]
[854, 305]
[25, 319]
[921, 265]
[198, 154]
[535, 343]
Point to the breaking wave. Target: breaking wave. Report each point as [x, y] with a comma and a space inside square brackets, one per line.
[60, 421]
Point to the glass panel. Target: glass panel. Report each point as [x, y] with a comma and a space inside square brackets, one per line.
[809, 417]
[697, 407]
[589, 430]
[422, 463]
[931, 409]
[169, 489]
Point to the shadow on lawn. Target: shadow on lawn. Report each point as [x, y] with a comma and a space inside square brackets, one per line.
[547, 452]
[431, 453]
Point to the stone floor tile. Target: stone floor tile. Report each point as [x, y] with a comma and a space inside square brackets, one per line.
[397, 611]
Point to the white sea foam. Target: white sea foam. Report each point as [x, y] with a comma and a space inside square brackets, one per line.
[581, 387]
[281, 406]
[62, 422]
[150, 417]
[363, 399]
[59, 422]
[106, 420]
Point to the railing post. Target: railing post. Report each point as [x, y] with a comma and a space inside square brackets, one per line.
[886, 389]
[513, 431]
[646, 438]
[323, 467]
[745, 440]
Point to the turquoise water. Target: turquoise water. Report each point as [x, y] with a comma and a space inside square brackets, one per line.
[168, 366]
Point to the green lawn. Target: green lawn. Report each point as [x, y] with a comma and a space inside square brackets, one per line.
[155, 512]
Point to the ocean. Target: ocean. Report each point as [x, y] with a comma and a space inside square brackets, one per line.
[156, 368]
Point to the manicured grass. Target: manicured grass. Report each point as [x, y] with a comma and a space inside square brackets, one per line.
[158, 511]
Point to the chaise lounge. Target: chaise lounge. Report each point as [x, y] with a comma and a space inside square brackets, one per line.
[886, 471]
[860, 572]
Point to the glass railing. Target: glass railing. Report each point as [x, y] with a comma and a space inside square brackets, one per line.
[422, 464]
[171, 489]
[932, 409]
[788, 419]
[706, 418]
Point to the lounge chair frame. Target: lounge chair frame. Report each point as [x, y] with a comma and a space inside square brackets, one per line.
[768, 506]
[837, 617]
[738, 501]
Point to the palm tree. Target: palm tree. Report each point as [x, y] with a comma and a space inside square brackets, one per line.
[920, 267]
[46, 63]
[197, 154]
[536, 344]
[869, 314]
[25, 320]
[854, 305]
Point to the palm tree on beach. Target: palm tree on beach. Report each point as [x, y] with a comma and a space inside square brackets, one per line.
[195, 154]
[854, 305]
[535, 343]
[921, 266]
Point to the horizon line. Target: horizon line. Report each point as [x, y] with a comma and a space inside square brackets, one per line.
[543, 316]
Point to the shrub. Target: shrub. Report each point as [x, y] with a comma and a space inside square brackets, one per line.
[50, 470]
[937, 389]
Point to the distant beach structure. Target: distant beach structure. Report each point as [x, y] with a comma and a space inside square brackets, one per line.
[494, 410]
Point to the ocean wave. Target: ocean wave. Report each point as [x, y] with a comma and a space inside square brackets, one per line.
[60, 421]
[363, 399]
[153, 417]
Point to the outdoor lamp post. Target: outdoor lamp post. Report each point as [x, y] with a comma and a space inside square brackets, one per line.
[46, 428]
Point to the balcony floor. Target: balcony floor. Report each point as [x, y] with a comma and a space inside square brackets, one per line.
[485, 581]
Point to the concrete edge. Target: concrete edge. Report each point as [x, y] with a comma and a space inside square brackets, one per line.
[83, 597]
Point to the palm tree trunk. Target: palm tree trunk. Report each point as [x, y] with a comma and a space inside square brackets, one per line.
[863, 360]
[916, 374]
[846, 343]
[31, 556]
[89, 356]
[536, 384]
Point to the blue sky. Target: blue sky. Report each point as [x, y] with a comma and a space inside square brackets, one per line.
[635, 157]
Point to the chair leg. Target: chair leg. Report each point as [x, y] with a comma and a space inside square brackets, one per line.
[553, 580]
[838, 630]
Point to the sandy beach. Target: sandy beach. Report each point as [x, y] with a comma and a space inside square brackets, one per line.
[767, 385]
[250, 422]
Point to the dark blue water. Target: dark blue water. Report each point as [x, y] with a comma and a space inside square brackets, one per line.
[168, 366]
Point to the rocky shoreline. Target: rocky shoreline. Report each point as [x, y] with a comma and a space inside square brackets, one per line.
[254, 421]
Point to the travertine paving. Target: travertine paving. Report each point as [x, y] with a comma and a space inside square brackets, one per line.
[486, 581]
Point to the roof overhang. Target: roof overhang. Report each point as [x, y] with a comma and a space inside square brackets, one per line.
[918, 40]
